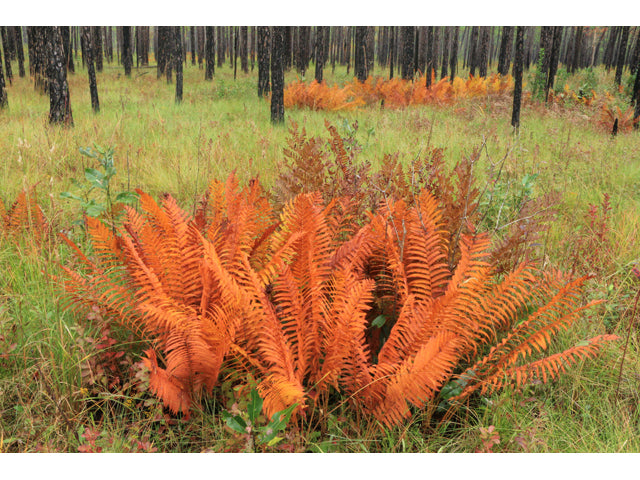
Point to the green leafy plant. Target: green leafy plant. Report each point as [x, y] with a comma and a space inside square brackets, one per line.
[540, 79]
[107, 203]
[246, 423]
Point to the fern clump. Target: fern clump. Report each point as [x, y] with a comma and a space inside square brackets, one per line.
[311, 299]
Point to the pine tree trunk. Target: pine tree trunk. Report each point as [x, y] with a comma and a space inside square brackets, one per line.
[633, 62]
[127, 53]
[635, 96]
[177, 57]
[192, 42]
[220, 44]
[19, 50]
[244, 50]
[553, 61]
[453, 58]
[392, 49]
[7, 56]
[622, 50]
[359, 63]
[445, 52]
[483, 57]
[430, 56]
[264, 59]
[209, 49]
[277, 75]
[320, 36]
[59, 100]
[407, 34]
[38, 60]
[93, 86]
[97, 50]
[66, 44]
[4, 100]
[504, 60]
[517, 75]
[473, 51]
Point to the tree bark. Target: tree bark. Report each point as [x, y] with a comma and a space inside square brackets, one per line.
[127, 54]
[320, 36]
[635, 96]
[622, 50]
[264, 59]
[19, 50]
[93, 86]
[360, 65]
[192, 41]
[97, 43]
[277, 75]
[506, 43]
[453, 58]
[517, 74]
[4, 100]
[244, 50]
[209, 50]
[177, 57]
[483, 56]
[408, 34]
[392, 49]
[59, 100]
[430, 56]
[7, 56]
[445, 52]
[553, 61]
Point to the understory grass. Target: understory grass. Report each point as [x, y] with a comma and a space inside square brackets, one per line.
[223, 126]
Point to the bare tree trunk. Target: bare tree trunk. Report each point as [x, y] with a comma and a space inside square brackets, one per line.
[320, 35]
[264, 59]
[244, 51]
[277, 75]
[17, 31]
[453, 58]
[483, 57]
[93, 86]
[504, 60]
[430, 56]
[445, 52]
[209, 50]
[553, 61]
[517, 75]
[127, 53]
[392, 48]
[407, 34]
[177, 57]
[59, 100]
[4, 100]
[7, 55]
[359, 64]
[622, 50]
[96, 33]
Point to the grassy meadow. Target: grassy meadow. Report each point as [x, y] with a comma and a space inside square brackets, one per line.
[51, 395]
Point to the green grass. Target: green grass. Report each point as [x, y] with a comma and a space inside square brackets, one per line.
[222, 126]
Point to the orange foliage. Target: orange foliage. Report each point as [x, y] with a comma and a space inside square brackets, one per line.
[393, 93]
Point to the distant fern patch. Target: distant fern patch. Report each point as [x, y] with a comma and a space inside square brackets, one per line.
[393, 93]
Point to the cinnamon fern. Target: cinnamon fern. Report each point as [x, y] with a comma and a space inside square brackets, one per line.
[312, 302]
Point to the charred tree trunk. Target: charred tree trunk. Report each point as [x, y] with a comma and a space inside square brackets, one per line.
[244, 50]
[97, 50]
[264, 59]
[66, 45]
[622, 50]
[143, 45]
[220, 43]
[59, 100]
[610, 50]
[17, 31]
[392, 49]
[453, 58]
[430, 56]
[277, 75]
[473, 51]
[504, 60]
[546, 41]
[408, 34]
[483, 56]
[177, 58]
[38, 60]
[445, 52]
[209, 49]
[517, 75]
[320, 36]
[88, 50]
[7, 56]
[360, 64]
[127, 53]
[4, 99]
[192, 42]
[633, 62]
[635, 97]
[553, 60]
